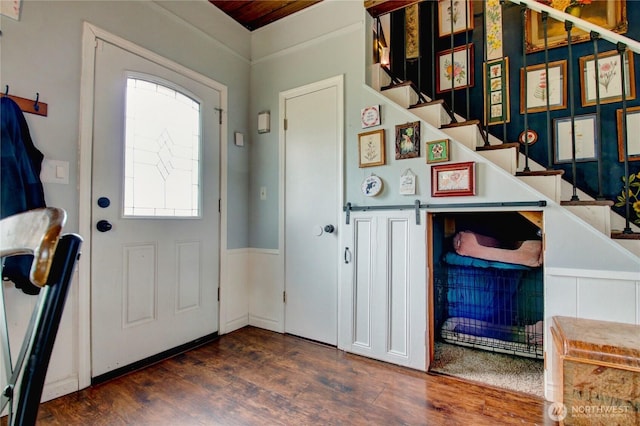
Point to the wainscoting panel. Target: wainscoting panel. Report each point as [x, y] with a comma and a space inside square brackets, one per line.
[62, 375]
[383, 289]
[266, 287]
[234, 294]
[591, 294]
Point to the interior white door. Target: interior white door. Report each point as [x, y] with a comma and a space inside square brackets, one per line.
[312, 202]
[154, 262]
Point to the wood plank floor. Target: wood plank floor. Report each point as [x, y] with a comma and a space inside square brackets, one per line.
[257, 377]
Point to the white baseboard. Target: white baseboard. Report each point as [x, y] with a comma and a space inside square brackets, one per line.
[265, 323]
[236, 324]
[59, 388]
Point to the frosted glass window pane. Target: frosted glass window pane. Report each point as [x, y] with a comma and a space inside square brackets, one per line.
[162, 152]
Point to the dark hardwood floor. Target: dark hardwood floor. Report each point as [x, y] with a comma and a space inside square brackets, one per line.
[257, 377]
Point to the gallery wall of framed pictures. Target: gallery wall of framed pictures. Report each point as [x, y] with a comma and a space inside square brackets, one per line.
[448, 178]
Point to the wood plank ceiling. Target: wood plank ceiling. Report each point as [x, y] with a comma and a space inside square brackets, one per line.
[254, 14]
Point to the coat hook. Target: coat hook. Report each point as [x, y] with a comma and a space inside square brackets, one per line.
[35, 105]
[6, 89]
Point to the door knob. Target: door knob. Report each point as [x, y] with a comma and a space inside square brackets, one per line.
[329, 229]
[104, 226]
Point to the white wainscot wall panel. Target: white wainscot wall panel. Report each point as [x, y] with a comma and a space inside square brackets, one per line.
[62, 375]
[266, 286]
[383, 288]
[599, 295]
[234, 296]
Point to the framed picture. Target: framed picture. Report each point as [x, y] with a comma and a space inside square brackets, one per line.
[455, 68]
[538, 83]
[370, 116]
[438, 151]
[412, 31]
[371, 148]
[632, 126]
[530, 138]
[449, 180]
[584, 129]
[456, 15]
[408, 140]
[496, 91]
[608, 71]
[610, 14]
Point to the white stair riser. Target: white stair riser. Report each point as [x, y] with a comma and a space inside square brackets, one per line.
[379, 77]
[404, 96]
[505, 158]
[468, 135]
[597, 216]
[434, 114]
[548, 185]
[632, 245]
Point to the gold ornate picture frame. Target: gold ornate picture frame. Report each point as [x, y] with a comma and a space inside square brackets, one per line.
[609, 14]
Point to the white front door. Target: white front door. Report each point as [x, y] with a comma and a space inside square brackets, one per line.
[313, 140]
[155, 191]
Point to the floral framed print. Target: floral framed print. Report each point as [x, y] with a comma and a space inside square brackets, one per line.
[632, 127]
[454, 16]
[586, 137]
[450, 180]
[496, 91]
[455, 68]
[412, 31]
[371, 148]
[607, 75]
[538, 85]
[408, 140]
[438, 151]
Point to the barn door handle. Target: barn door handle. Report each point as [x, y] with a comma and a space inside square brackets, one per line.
[347, 255]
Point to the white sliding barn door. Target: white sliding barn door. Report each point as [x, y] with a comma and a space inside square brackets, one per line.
[383, 313]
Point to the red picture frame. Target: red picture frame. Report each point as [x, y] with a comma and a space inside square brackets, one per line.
[452, 180]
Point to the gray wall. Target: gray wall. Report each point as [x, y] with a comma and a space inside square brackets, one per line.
[42, 53]
[320, 43]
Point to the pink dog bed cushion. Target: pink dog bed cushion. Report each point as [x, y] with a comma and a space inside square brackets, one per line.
[467, 243]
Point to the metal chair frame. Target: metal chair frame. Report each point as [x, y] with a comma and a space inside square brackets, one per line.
[37, 232]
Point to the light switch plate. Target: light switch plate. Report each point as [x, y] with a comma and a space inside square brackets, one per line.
[54, 171]
[239, 139]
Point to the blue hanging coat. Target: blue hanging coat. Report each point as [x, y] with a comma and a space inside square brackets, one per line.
[21, 188]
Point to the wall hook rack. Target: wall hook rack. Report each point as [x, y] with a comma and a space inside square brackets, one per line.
[27, 105]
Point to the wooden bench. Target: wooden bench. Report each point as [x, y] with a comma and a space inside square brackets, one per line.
[598, 366]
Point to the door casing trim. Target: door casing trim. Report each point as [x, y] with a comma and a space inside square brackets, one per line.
[90, 35]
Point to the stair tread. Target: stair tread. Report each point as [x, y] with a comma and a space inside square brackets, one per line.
[619, 235]
[541, 173]
[430, 103]
[460, 124]
[587, 203]
[499, 146]
[393, 86]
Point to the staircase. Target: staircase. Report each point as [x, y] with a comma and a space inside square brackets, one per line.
[595, 213]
